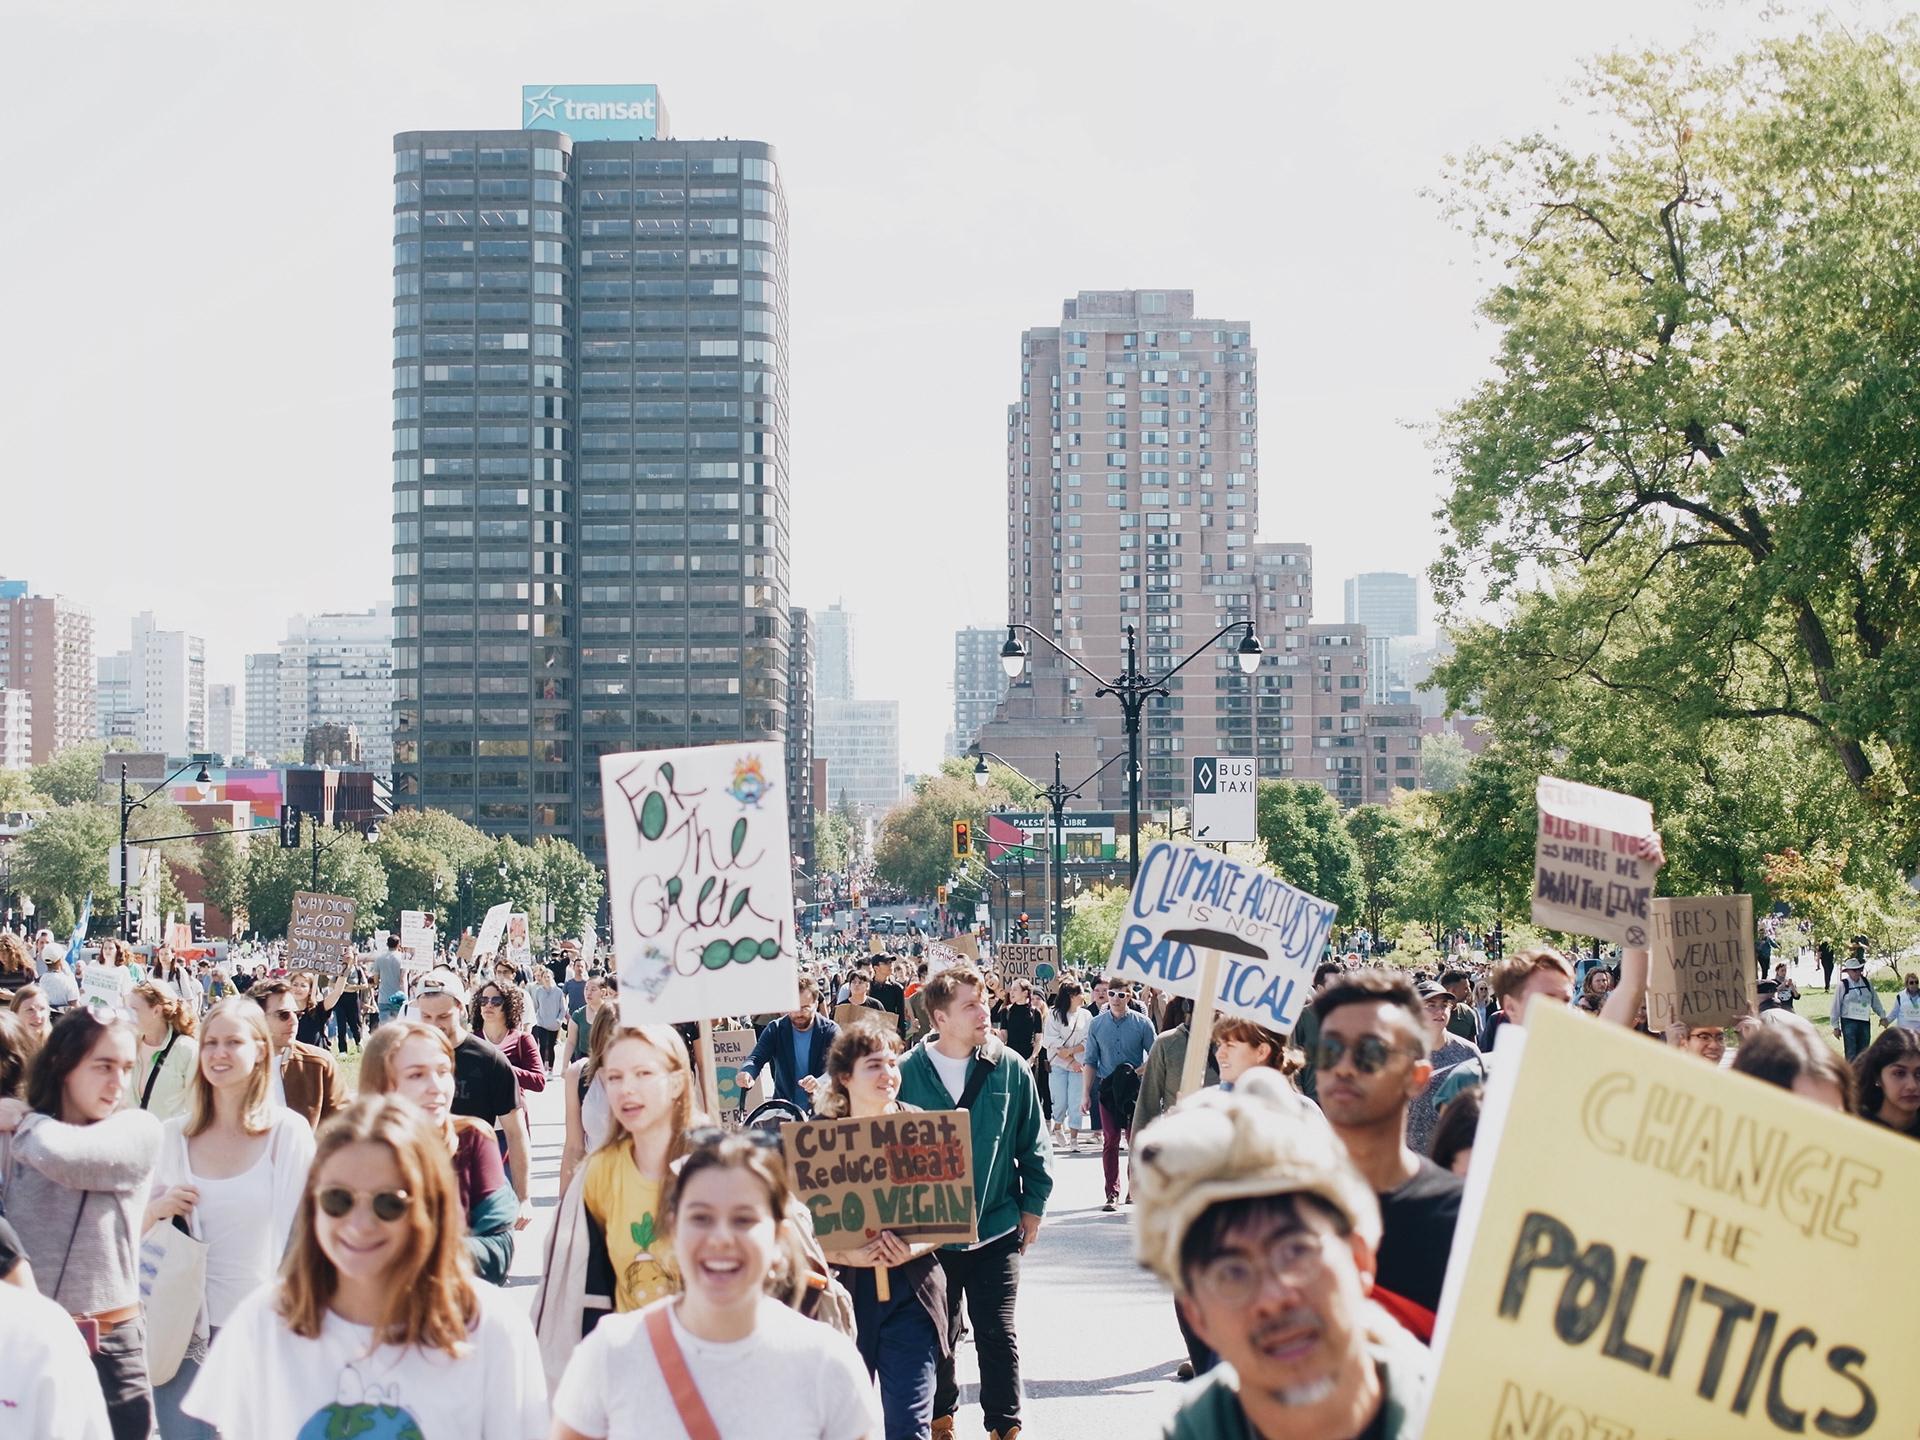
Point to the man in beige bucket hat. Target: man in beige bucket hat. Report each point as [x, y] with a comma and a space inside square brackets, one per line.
[1249, 1208]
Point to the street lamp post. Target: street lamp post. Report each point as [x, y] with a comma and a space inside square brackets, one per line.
[1057, 795]
[373, 833]
[127, 807]
[1132, 689]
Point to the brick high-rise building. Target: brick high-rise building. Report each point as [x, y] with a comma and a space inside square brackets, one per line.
[46, 649]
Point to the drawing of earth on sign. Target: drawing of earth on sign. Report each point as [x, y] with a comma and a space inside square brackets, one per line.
[653, 972]
[749, 785]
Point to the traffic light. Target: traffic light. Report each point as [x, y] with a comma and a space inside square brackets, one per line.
[289, 827]
[962, 839]
[197, 923]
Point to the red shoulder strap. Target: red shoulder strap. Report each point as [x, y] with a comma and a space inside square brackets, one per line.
[673, 1369]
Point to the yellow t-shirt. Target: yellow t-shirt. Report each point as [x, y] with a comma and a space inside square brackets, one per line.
[627, 1205]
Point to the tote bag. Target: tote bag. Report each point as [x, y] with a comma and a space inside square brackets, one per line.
[173, 1287]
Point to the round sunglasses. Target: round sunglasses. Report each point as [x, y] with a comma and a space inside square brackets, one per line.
[388, 1205]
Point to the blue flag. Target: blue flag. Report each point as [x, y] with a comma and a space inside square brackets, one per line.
[79, 935]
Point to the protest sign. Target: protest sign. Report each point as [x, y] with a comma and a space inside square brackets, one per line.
[1654, 1246]
[519, 949]
[730, 1051]
[492, 927]
[320, 936]
[467, 947]
[1032, 963]
[1589, 877]
[700, 882]
[967, 948]
[847, 1013]
[179, 934]
[1702, 956]
[1188, 900]
[876, 946]
[416, 939]
[911, 1173]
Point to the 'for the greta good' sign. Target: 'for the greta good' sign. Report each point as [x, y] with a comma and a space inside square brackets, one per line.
[1701, 1254]
[910, 1172]
[321, 935]
[1269, 935]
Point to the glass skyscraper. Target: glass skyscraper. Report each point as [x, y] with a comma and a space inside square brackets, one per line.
[590, 487]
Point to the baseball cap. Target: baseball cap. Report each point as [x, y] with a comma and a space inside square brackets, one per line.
[443, 982]
[1430, 991]
[1260, 1138]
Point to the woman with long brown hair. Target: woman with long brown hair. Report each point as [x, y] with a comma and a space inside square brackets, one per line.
[1888, 1075]
[35, 1014]
[756, 1367]
[16, 966]
[376, 1320]
[602, 1254]
[232, 1168]
[164, 1066]
[413, 1060]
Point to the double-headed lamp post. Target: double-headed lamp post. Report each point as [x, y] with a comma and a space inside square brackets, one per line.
[1057, 795]
[1132, 690]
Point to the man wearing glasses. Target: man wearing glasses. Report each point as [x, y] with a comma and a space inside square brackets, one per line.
[1248, 1207]
[1372, 1063]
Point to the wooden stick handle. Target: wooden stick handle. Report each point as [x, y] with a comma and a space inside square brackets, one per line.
[881, 1289]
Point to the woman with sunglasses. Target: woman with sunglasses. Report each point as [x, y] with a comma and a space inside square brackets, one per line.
[604, 1251]
[411, 1059]
[232, 1169]
[902, 1338]
[375, 1326]
[164, 1067]
[79, 1175]
[499, 1013]
[756, 1366]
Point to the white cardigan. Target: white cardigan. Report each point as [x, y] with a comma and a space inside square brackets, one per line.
[290, 1149]
[1070, 1036]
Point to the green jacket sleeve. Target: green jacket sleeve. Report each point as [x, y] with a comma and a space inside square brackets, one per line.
[1032, 1151]
[490, 1234]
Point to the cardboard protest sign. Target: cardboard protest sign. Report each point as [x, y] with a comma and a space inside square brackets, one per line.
[730, 1051]
[416, 940]
[876, 946]
[1654, 1246]
[1588, 875]
[1268, 935]
[320, 936]
[848, 1013]
[1702, 958]
[700, 882]
[967, 948]
[467, 946]
[1032, 963]
[911, 1173]
[492, 928]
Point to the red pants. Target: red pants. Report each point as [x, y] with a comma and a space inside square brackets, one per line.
[1112, 1126]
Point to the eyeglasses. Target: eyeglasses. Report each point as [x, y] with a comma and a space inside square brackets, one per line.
[1293, 1260]
[493, 999]
[1370, 1053]
[701, 1136]
[388, 1205]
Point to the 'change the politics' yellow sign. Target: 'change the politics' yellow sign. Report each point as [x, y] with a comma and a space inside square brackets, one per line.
[1667, 1250]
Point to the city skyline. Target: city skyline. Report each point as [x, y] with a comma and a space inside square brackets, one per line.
[284, 512]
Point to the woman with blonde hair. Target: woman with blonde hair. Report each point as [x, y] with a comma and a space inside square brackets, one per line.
[35, 1014]
[414, 1060]
[16, 966]
[164, 1066]
[602, 1254]
[589, 1121]
[376, 1321]
[231, 1173]
[720, 1219]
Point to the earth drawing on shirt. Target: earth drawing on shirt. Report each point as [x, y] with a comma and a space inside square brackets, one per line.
[361, 1422]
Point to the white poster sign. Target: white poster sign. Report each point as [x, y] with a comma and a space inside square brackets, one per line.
[700, 882]
[1225, 799]
[491, 929]
[1268, 935]
[416, 939]
[1590, 877]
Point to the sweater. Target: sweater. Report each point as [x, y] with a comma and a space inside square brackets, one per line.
[1160, 1077]
[1012, 1161]
[96, 1175]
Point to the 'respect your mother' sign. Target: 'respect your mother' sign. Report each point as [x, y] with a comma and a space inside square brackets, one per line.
[910, 1172]
[1269, 936]
[1589, 876]
[700, 882]
[1653, 1246]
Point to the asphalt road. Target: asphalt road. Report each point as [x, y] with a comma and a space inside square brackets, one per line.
[1098, 1343]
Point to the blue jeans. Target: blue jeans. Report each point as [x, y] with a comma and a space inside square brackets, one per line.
[901, 1348]
[174, 1424]
[1069, 1088]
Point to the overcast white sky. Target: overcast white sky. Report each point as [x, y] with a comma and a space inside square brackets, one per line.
[195, 265]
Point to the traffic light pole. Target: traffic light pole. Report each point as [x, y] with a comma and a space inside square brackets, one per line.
[1056, 795]
[127, 807]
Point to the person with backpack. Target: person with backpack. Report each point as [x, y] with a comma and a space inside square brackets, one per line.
[723, 1356]
[1850, 1005]
[1117, 1044]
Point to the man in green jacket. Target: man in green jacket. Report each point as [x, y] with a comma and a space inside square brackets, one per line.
[961, 1065]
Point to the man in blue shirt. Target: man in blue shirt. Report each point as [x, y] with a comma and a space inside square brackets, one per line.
[1117, 1045]
[796, 1046]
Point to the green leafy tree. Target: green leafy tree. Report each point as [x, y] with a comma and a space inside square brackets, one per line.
[832, 844]
[553, 871]
[63, 859]
[915, 846]
[17, 793]
[1093, 920]
[72, 777]
[1704, 388]
[1307, 843]
[1383, 840]
[351, 869]
[1443, 761]
[433, 862]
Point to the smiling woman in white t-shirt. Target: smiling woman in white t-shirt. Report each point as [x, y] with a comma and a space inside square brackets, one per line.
[735, 1343]
[376, 1325]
